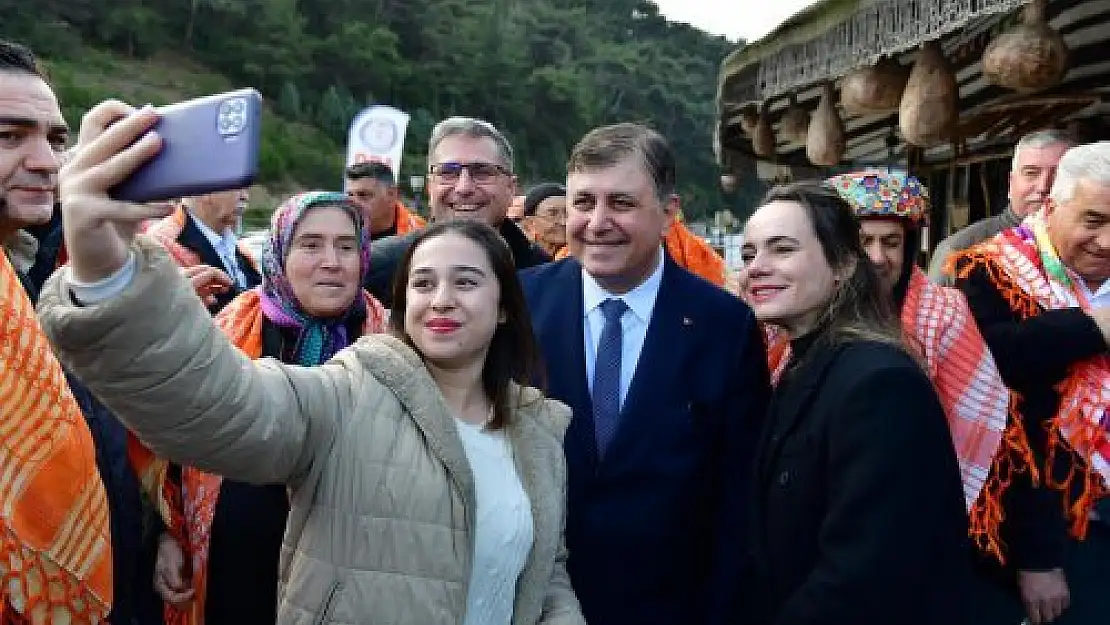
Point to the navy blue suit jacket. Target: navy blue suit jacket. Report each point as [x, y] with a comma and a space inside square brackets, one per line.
[657, 528]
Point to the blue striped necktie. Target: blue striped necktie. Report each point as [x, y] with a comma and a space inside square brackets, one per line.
[607, 375]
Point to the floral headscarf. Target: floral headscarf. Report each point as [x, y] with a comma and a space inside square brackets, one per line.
[880, 193]
[318, 339]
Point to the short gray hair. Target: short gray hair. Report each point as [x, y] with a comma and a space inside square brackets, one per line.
[475, 128]
[1040, 139]
[1090, 162]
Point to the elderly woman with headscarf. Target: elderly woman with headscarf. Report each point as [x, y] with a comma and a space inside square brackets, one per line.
[309, 307]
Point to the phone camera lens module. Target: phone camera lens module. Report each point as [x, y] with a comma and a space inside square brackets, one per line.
[231, 117]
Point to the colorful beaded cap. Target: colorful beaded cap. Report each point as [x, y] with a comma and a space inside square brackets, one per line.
[880, 193]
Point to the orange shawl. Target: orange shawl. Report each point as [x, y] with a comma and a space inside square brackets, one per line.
[1014, 263]
[55, 546]
[990, 443]
[689, 251]
[241, 321]
[692, 253]
[405, 220]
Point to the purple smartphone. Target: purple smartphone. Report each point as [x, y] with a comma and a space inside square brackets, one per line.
[209, 144]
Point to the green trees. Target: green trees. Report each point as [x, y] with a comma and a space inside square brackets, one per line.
[543, 70]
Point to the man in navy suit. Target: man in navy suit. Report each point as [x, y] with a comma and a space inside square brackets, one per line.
[667, 377]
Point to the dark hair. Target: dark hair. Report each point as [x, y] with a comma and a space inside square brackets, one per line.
[911, 243]
[372, 169]
[513, 355]
[608, 145]
[541, 192]
[475, 129]
[18, 59]
[860, 308]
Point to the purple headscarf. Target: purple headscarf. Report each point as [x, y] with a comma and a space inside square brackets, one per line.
[317, 339]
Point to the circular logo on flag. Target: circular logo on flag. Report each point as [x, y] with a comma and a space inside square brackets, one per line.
[379, 134]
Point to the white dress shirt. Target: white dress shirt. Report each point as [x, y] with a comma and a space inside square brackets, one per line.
[226, 245]
[634, 322]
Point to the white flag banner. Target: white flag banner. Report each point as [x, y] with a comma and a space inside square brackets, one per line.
[378, 134]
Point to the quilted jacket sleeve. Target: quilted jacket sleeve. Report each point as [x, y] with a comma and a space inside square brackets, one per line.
[560, 605]
[153, 355]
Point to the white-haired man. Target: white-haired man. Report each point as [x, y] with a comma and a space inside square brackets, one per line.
[1032, 172]
[1041, 294]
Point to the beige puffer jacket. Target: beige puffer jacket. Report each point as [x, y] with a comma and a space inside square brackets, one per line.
[380, 530]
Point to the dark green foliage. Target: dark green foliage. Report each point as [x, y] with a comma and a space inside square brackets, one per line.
[545, 71]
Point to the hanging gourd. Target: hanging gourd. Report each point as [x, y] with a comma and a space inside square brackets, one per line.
[928, 112]
[874, 90]
[794, 126]
[1030, 57]
[763, 139]
[825, 141]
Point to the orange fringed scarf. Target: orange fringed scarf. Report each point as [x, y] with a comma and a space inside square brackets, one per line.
[1014, 262]
[990, 443]
[55, 546]
[195, 505]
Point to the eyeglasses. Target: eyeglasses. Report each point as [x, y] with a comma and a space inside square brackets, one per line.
[480, 173]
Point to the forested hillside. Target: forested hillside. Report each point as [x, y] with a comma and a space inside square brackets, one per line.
[543, 70]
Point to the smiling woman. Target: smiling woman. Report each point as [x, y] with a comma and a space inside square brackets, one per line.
[858, 485]
[464, 308]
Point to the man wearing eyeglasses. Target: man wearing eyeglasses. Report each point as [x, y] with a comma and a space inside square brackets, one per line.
[470, 167]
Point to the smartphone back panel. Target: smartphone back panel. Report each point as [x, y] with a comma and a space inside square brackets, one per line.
[209, 144]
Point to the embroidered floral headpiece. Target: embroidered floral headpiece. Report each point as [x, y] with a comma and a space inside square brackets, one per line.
[879, 193]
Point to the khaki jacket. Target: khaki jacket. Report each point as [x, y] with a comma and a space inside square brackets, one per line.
[382, 498]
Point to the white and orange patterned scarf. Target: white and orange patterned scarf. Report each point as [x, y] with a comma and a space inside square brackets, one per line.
[1024, 266]
[55, 546]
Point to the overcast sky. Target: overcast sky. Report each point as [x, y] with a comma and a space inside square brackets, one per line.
[735, 19]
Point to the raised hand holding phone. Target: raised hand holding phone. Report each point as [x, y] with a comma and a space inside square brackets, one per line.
[209, 144]
[114, 142]
[126, 158]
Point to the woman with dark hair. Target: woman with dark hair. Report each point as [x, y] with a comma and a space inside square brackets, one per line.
[426, 485]
[859, 512]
